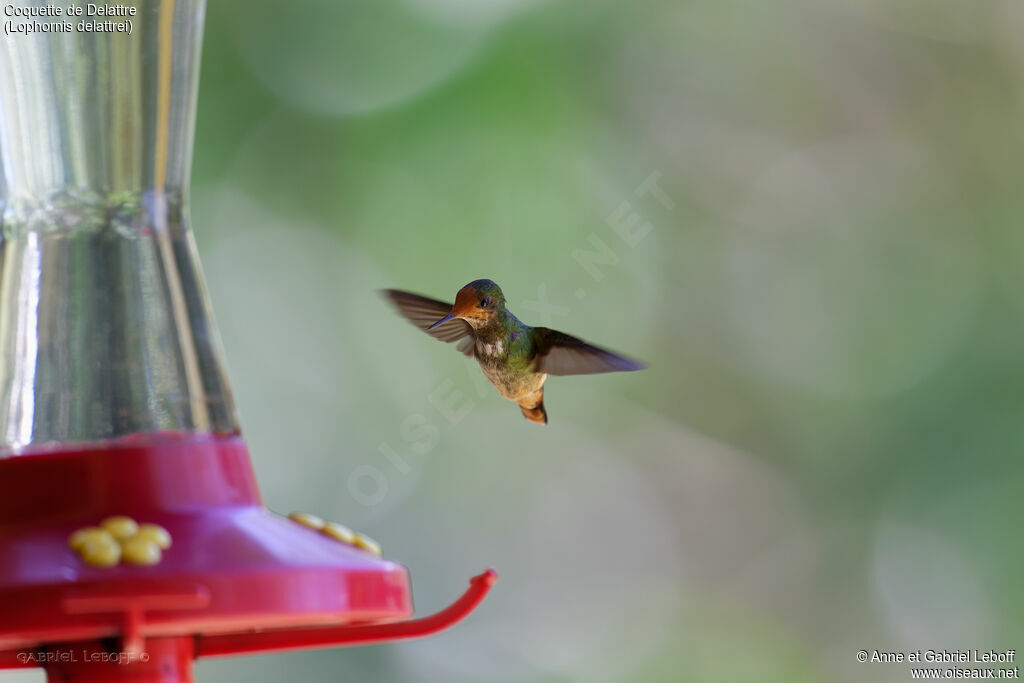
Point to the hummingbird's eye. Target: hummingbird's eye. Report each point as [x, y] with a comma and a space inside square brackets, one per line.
[485, 302]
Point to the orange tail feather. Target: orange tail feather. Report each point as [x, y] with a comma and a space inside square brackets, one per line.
[533, 408]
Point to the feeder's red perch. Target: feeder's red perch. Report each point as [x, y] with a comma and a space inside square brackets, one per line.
[163, 649]
[275, 641]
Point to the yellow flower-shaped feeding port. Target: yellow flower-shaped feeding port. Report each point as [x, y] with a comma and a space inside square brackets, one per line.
[120, 539]
[338, 532]
[306, 519]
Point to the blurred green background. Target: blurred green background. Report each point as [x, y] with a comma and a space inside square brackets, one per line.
[826, 454]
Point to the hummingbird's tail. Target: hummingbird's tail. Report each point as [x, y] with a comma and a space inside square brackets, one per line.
[533, 407]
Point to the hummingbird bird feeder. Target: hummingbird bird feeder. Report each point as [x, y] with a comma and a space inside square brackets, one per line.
[133, 539]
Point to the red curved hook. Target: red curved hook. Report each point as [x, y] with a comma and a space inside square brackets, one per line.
[339, 636]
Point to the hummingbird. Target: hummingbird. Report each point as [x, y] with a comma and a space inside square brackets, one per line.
[514, 356]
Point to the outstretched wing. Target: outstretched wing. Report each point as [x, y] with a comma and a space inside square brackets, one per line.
[562, 354]
[423, 312]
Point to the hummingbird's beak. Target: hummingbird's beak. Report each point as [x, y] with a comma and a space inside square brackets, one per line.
[442, 320]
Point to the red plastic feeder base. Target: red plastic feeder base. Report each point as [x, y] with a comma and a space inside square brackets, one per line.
[236, 579]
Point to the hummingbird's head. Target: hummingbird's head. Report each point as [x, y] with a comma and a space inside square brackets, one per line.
[477, 303]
